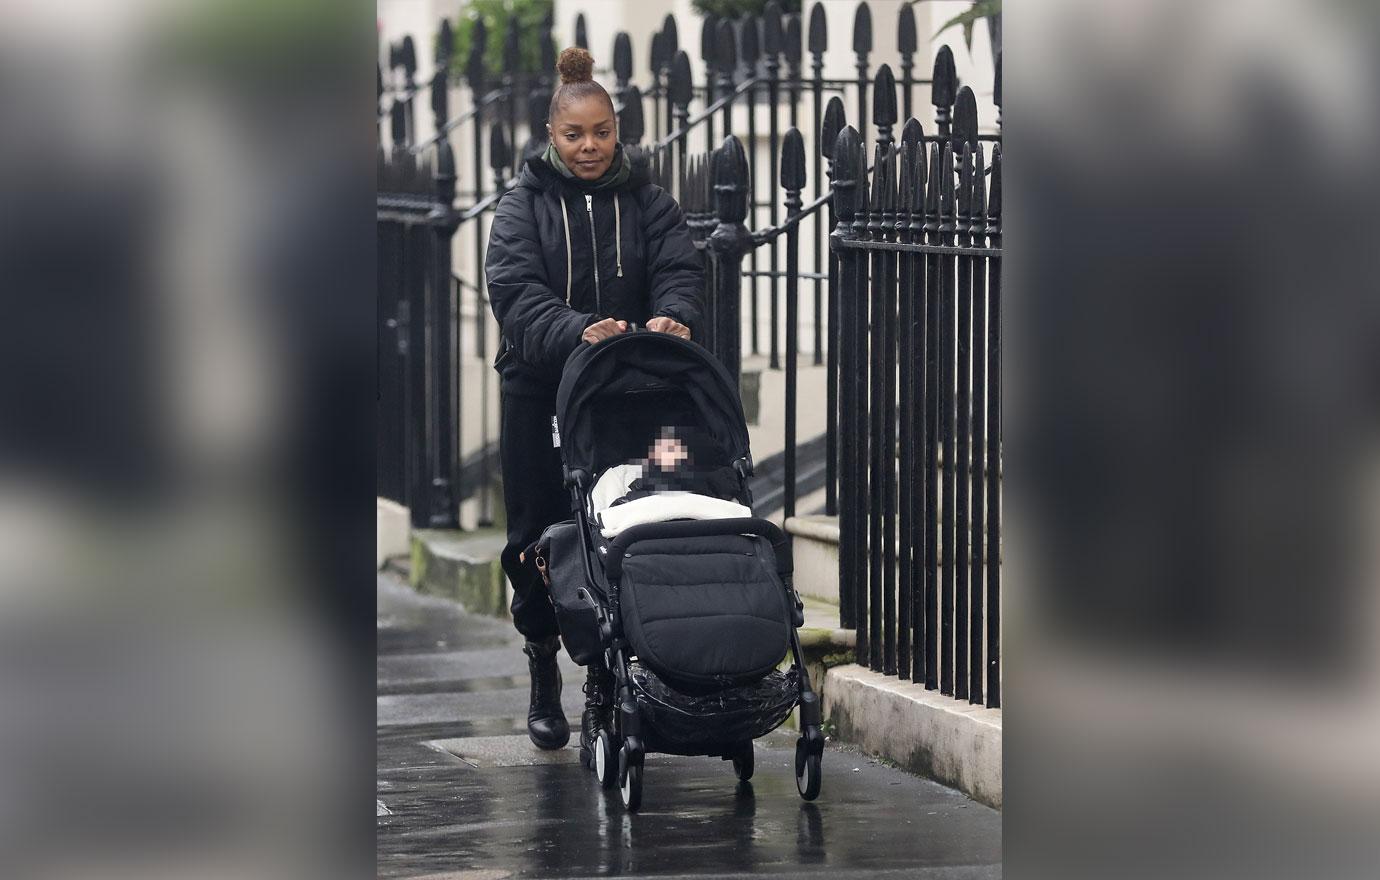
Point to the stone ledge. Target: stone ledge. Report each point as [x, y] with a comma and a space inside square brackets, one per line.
[948, 740]
[391, 532]
[818, 527]
[463, 567]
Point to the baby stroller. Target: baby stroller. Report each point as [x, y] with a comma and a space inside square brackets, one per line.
[691, 617]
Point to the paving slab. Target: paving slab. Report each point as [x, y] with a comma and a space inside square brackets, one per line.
[461, 794]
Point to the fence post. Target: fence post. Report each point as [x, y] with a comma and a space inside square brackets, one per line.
[771, 46]
[930, 422]
[680, 90]
[978, 469]
[791, 46]
[908, 230]
[726, 49]
[631, 126]
[994, 444]
[581, 31]
[709, 54]
[906, 45]
[729, 241]
[793, 181]
[942, 86]
[830, 127]
[948, 365]
[818, 43]
[848, 170]
[749, 54]
[443, 404]
[622, 64]
[670, 47]
[862, 45]
[656, 61]
[512, 55]
[407, 58]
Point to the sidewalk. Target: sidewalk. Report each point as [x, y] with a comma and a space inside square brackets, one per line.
[463, 794]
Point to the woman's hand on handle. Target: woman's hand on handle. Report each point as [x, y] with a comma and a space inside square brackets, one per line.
[669, 325]
[602, 330]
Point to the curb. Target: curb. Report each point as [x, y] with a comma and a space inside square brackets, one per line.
[950, 741]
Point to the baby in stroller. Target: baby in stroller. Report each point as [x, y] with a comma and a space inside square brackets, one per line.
[683, 475]
[675, 597]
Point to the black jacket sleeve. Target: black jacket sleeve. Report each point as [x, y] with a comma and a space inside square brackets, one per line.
[674, 268]
[533, 317]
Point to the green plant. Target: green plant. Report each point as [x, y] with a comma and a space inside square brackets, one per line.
[739, 8]
[532, 18]
[981, 10]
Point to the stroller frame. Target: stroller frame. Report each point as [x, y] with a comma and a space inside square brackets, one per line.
[625, 737]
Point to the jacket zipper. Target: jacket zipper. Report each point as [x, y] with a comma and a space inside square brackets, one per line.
[594, 251]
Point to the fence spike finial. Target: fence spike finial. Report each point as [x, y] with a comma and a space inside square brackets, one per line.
[398, 123]
[917, 205]
[994, 196]
[793, 160]
[749, 43]
[912, 132]
[847, 171]
[771, 28]
[884, 101]
[581, 31]
[709, 41]
[656, 56]
[440, 97]
[631, 127]
[979, 195]
[407, 56]
[474, 65]
[965, 118]
[622, 57]
[818, 34]
[830, 126]
[726, 43]
[790, 40]
[906, 41]
[681, 88]
[445, 44]
[945, 78]
[500, 153]
[862, 29]
[670, 36]
[996, 88]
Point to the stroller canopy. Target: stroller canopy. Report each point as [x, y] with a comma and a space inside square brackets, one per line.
[614, 395]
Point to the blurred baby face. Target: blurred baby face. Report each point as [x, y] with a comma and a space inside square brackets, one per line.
[668, 452]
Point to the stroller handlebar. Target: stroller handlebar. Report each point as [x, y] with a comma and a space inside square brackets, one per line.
[700, 528]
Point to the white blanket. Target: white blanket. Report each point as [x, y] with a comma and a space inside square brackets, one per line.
[665, 506]
[613, 484]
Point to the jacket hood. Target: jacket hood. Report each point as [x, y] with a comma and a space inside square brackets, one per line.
[538, 175]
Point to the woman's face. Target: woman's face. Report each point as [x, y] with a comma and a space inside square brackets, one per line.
[586, 135]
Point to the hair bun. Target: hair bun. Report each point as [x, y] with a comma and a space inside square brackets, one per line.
[575, 65]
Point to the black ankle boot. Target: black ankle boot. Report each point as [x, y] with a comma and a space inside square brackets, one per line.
[546, 723]
[598, 688]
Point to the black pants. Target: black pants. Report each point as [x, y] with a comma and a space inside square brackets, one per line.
[535, 497]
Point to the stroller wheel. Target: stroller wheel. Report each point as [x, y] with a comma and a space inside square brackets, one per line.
[629, 780]
[605, 761]
[807, 775]
[743, 761]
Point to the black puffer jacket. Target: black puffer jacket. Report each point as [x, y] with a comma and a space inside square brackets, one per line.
[546, 285]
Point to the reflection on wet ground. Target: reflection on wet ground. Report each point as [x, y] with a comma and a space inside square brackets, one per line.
[463, 810]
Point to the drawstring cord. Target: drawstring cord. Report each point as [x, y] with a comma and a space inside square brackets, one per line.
[569, 266]
[618, 233]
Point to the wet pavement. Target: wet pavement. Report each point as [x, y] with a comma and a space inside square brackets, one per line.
[462, 794]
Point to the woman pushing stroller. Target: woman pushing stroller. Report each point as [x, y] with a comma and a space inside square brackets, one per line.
[581, 249]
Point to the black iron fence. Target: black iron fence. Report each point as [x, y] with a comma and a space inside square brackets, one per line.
[906, 296]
